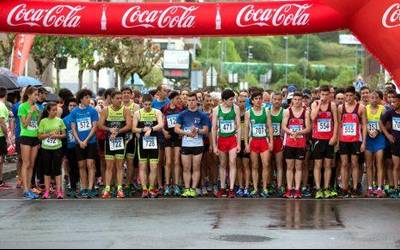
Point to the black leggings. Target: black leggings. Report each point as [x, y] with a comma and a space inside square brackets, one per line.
[38, 169]
[73, 168]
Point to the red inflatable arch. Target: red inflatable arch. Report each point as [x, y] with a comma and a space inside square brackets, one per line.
[376, 23]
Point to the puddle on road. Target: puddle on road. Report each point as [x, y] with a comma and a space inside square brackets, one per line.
[300, 215]
[244, 238]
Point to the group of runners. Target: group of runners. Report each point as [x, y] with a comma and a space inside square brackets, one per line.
[251, 143]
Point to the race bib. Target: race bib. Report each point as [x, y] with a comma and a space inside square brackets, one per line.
[150, 142]
[84, 124]
[324, 125]
[373, 126]
[259, 130]
[396, 124]
[33, 125]
[49, 142]
[71, 138]
[296, 128]
[190, 142]
[171, 120]
[227, 127]
[117, 144]
[349, 129]
[276, 127]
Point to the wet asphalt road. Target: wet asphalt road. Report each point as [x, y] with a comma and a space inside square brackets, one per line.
[202, 223]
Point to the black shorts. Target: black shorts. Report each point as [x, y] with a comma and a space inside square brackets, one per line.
[395, 149]
[151, 155]
[131, 148]
[350, 148]
[243, 153]
[174, 142]
[89, 153]
[3, 146]
[290, 153]
[192, 151]
[115, 154]
[322, 150]
[29, 141]
[53, 160]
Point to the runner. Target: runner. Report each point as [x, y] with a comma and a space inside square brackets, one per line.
[296, 125]
[117, 121]
[28, 114]
[243, 162]
[147, 122]
[353, 129]
[390, 97]
[393, 117]
[258, 133]
[70, 151]
[325, 128]
[51, 131]
[192, 125]
[4, 127]
[84, 125]
[276, 118]
[226, 127]
[127, 98]
[172, 144]
[375, 144]
[17, 128]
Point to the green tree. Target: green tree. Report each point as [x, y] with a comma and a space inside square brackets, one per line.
[344, 79]
[154, 78]
[6, 48]
[314, 47]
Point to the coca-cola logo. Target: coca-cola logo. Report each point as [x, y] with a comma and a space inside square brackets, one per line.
[59, 16]
[285, 15]
[391, 18]
[173, 17]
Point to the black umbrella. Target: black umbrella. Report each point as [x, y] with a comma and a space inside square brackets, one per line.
[8, 83]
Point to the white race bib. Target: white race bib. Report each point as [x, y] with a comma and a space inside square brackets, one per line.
[117, 144]
[396, 124]
[50, 142]
[150, 142]
[349, 129]
[276, 127]
[71, 138]
[84, 124]
[373, 126]
[324, 125]
[171, 120]
[296, 128]
[227, 127]
[33, 125]
[259, 130]
[189, 142]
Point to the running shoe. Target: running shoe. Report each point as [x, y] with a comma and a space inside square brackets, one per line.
[380, 193]
[193, 193]
[254, 194]
[264, 193]
[231, 194]
[106, 195]
[297, 194]
[354, 194]
[145, 194]
[71, 193]
[19, 183]
[177, 191]
[327, 194]
[83, 194]
[198, 191]
[168, 191]
[204, 191]
[60, 195]
[370, 193]
[37, 190]
[220, 194]
[334, 193]
[185, 193]
[280, 192]
[137, 187]
[240, 192]
[288, 194]
[306, 192]
[92, 194]
[46, 195]
[319, 194]
[120, 194]
[387, 189]
[246, 193]
[30, 195]
[154, 193]
[215, 190]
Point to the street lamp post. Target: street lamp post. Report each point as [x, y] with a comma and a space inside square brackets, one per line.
[286, 58]
[249, 56]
